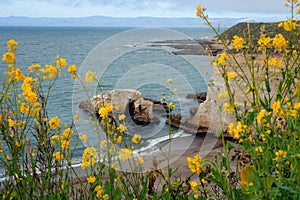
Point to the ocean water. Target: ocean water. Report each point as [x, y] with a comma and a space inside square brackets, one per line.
[123, 58]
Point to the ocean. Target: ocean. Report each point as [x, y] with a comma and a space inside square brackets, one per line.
[124, 59]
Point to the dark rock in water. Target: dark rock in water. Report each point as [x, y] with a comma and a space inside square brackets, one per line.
[175, 120]
[200, 96]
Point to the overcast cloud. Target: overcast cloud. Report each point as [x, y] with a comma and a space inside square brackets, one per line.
[135, 8]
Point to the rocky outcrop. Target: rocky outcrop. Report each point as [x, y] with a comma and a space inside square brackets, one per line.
[199, 96]
[191, 47]
[126, 101]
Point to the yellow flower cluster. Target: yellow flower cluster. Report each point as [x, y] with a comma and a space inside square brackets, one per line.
[194, 186]
[230, 107]
[275, 62]
[136, 138]
[9, 56]
[28, 90]
[125, 154]
[49, 69]
[58, 156]
[222, 60]
[34, 67]
[15, 73]
[105, 110]
[99, 190]
[91, 179]
[72, 69]
[200, 12]
[60, 62]
[279, 42]
[231, 75]
[238, 130]
[288, 25]
[261, 116]
[88, 157]
[139, 160]
[195, 164]
[280, 155]
[276, 106]
[238, 42]
[54, 122]
[89, 76]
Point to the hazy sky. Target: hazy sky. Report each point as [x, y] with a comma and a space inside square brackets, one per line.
[134, 8]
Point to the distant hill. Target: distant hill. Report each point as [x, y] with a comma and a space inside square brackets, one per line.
[241, 29]
[114, 21]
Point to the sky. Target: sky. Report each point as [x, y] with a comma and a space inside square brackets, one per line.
[253, 9]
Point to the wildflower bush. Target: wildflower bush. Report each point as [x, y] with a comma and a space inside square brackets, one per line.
[262, 92]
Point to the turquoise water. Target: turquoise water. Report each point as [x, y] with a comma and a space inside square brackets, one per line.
[146, 69]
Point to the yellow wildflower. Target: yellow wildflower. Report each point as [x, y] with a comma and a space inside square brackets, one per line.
[20, 143]
[222, 60]
[9, 57]
[288, 25]
[163, 98]
[34, 67]
[55, 138]
[194, 186]
[89, 76]
[105, 110]
[125, 154]
[264, 41]
[65, 144]
[297, 106]
[222, 95]
[275, 62]
[280, 155]
[195, 164]
[91, 179]
[12, 45]
[11, 122]
[105, 197]
[61, 62]
[231, 75]
[122, 117]
[238, 42]
[170, 81]
[236, 131]
[99, 190]
[19, 76]
[72, 69]
[260, 117]
[136, 138]
[119, 139]
[259, 149]
[121, 128]
[277, 109]
[200, 11]
[57, 156]
[88, 157]
[279, 42]
[172, 105]
[52, 71]
[139, 160]
[54, 122]
[228, 107]
[68, 132]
